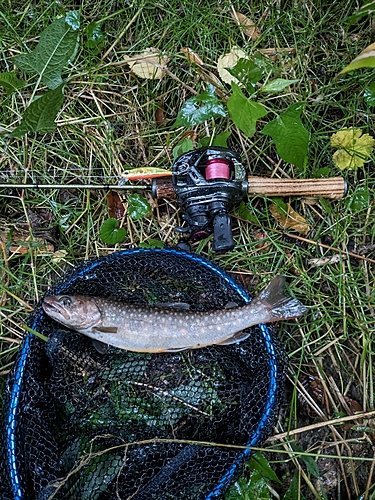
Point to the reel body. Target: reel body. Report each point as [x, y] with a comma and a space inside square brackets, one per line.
[208, 182]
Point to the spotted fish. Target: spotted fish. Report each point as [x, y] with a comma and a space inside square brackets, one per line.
[160, 329]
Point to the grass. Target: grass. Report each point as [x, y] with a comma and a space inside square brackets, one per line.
[109, 121]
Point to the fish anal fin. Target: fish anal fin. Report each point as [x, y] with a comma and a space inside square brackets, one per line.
[182, 306]
[233, 339]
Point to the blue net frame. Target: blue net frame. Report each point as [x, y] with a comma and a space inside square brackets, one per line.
[13, 473]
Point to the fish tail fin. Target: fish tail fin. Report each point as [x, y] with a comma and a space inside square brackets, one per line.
[277, 305]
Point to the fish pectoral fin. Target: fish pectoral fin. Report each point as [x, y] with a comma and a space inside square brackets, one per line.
[105, 329]
[233, 339]
[101, 347]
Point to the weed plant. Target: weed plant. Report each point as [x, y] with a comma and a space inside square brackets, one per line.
[112, 120]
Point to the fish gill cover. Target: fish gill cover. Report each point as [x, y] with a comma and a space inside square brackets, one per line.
[84, 424]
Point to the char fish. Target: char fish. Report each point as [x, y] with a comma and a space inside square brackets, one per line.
[158, 329]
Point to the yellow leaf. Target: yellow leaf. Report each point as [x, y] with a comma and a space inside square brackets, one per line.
[229, 61]
[290, 220]
[150, 64]
[248, 26]
[353, 148]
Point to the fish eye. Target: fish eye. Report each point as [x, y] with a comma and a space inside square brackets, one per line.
[65, 300]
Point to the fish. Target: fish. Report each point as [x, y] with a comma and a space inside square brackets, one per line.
[156, 329]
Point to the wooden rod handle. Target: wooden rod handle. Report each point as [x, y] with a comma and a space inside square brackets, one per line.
[331, 187]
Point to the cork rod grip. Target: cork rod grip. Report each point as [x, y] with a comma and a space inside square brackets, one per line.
[331, 187]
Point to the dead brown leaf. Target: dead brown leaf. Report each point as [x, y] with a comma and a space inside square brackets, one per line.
[192, 56]
[23, 244]
[290, 220]
[248, 26]
[115, 206]
[160, 115]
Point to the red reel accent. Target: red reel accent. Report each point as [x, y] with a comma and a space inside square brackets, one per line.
[217, 168]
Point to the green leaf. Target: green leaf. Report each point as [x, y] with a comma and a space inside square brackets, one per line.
[10, 82]
[244, 112]
[367, 9]
[360, 200]
[369, 95]
[151, 243]
[110, 232]
[248, 73]
[94, 35]
[277, 85]
[217, 140]
[259, 463]
[246, 214]
[138, 206]
[200, 108]
[254, 489]
[366, 59]
[293, 491]
[57, 46]
[183, 147]
[40, 115]
[310, 463]
[290, 136]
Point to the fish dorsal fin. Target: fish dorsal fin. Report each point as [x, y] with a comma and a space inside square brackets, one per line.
[105, 329]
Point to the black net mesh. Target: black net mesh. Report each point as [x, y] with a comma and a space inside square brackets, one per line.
[84, 424]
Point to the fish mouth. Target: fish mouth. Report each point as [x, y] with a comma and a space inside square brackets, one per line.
[52, 307]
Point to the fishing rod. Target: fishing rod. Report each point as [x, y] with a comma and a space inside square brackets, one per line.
[207, 183]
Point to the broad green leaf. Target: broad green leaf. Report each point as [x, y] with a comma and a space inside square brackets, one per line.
[259, 463]
[72, 19]
[151, 243]
[10, 82]
[200, 108]
[369, 95]
[353, 148]
[217, 140]
[40, 115]
[277, 85]
[57, 46]
[183, 147]
[368, 9]
[366, 59]
[138, 206]
[229, 60]
[360, 200]
[248, 73]
[254, 489]
[244, 112]
[246, 214]
[94, 35]
[110, 232]
[290, 136]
